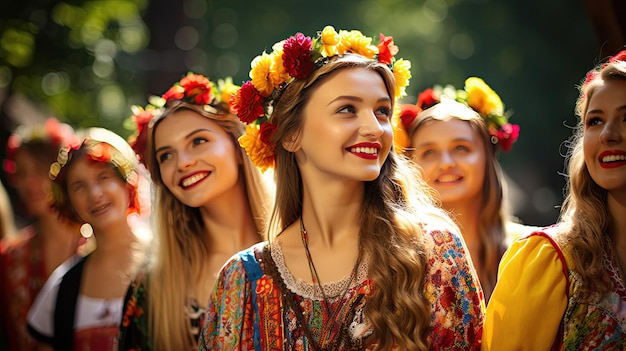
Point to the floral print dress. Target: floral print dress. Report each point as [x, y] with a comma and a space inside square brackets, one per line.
[247, 310]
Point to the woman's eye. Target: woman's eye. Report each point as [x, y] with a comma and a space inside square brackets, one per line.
[592, 121]
[384, 112]
[198, 141]
[347, 109]
[461, 148]
[164, 157]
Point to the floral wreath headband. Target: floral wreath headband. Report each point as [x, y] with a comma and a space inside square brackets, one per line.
[592, 74]
[195, 89]
[51, 132]
[477, 95]
[296, 58]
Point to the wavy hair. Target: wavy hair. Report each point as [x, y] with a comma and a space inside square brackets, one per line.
[393, 205]
[584, 219]
[493, 213]
[182, 241]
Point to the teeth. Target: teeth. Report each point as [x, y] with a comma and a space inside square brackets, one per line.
[613, 158]
[99, 208]
[448, 178]
[364, 150]
[193, 179]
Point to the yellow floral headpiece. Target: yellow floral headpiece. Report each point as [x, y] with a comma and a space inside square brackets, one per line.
[194, 89]
[296, 58]
[477, 95]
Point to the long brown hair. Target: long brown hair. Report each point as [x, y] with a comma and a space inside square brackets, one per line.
[393, 205]
[181, 233]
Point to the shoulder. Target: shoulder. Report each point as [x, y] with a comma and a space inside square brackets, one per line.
[441, 240]
[245, 263]
[515, 230]
[18, 244]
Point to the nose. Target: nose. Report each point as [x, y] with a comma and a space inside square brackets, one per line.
[185, 160]
[95, 191]
[612, 131]
[371, 126]
[447, 161]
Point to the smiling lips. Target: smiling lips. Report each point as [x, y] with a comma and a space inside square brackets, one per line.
[612, 159]
[368, 151]
[193, 179]
[99, 209]
[448, 178]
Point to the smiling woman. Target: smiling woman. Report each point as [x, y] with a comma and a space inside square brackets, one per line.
[210, 203]
[80, 305]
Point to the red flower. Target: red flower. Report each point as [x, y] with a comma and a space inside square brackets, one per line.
[620, 56]
[427, 99]
[386, 50]
[176, 92]
[297, 58]
[408, 113]
[248, 103]
[507, 135]
[198, 88]
[267, 132]
[101, 152]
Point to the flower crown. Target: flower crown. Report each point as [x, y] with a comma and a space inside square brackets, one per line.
[477, 95]
[194, 89]
[51, 132]
[296, 58]
[592, 74]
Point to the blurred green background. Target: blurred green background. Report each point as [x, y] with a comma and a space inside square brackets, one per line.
[87, 62]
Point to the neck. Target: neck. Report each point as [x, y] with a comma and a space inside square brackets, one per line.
[467, 216]
[117, 240]
[228, 222]
[331, 213]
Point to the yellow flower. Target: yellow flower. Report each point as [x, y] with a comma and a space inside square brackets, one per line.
[277, 75]
[482, 98]
[227, 89]
[261, 154]
[330, 39]
[402, 74]
[400, 136]
[355, 42]
[261, 67]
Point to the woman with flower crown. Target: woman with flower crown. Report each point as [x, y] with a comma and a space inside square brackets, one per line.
[563, 288]
[455, 135]
[80, 305]
[31, 255]
[358, 257]
[211, 201]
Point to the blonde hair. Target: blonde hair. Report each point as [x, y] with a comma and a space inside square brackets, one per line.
[182, 240]
[394, 204]
[584, 219]
[493, 213]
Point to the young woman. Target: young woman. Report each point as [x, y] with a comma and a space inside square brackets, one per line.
[211, 202]
[80, 306]
[564, 288]
[455, 137]
[30, 256]
[358, 257]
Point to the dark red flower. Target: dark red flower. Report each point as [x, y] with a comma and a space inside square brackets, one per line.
[386, 49]
[267, 132]
[620, 56]
[427, 99]
[408, 113]
[175, 93]
[297, 58]
[248, 103]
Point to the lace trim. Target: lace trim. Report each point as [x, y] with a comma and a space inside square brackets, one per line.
[614, 272]
[311, 291]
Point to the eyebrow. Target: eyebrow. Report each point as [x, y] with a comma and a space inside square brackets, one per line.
[190, 134]
[356, 98]
[621, 108]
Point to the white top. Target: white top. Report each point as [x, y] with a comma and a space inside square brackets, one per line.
[90, 312]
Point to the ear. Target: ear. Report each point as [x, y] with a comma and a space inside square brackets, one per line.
[292, 142]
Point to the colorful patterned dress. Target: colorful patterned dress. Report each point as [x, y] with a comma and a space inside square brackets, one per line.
[531, 300]
[247, 310]
[134, 335]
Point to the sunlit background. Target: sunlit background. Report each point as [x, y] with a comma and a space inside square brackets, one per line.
[87, 62]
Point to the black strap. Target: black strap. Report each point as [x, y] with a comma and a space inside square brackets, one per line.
[65, 308]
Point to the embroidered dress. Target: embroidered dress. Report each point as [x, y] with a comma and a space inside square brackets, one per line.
[529, 302]
[96, 322]
[247, 310]
[134, 334]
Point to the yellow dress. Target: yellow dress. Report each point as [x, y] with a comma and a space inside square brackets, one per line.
[529, 300]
